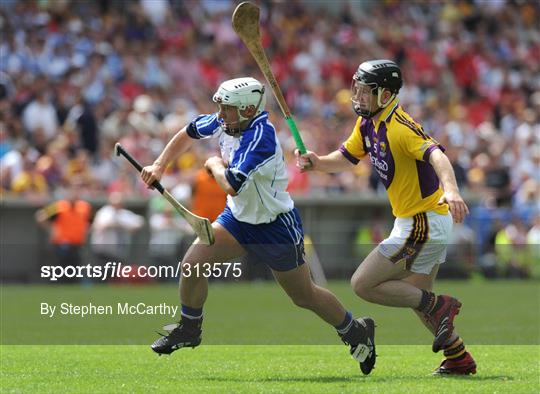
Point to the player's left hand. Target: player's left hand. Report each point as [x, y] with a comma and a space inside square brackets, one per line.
[457, 206]
[212, 162]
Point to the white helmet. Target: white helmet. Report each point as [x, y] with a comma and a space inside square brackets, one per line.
[241, 93]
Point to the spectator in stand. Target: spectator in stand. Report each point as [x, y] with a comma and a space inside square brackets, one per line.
[82, 119]
[78, 171]
[68, 221]
[488, 256]
[105, 169]
[41, 114]
[12, 164]
[511, 248]
[112, 230]
[88, 52]
[460, 256]
[459, 170]
[116, 125]
[167, 232]
[29, 182]
[124, 183]
[142, 118]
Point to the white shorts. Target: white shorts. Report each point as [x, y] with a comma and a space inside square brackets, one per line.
[418, 242]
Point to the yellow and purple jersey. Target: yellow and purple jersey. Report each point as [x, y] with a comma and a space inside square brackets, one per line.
[399, 150]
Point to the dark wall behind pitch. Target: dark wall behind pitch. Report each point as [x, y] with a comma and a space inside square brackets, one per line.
[331, 223]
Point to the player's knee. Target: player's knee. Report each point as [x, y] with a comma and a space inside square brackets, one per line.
[361, 287]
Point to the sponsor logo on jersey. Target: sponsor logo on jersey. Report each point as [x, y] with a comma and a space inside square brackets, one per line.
[378, 163]
[381, 166]
[382, 149]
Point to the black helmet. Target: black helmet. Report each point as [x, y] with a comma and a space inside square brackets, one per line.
[375, 75]
[380, 73]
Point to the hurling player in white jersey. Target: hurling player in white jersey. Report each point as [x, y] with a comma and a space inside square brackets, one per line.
[259, 221]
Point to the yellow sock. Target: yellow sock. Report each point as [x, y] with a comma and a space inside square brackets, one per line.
[455, 350]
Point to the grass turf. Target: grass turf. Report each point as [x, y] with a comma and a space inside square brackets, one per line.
[494, 313]
[251, 368]
[499, 322]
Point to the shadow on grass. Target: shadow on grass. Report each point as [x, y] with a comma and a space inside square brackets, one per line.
[350, 379]
[484, 378]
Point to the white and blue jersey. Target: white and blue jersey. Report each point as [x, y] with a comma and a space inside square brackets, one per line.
[257, 170]
[262, 213]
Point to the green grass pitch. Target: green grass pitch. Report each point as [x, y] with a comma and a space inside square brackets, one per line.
[257, 341]
[258, 368]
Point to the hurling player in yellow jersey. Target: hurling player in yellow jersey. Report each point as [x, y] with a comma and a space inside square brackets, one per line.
[424, 196]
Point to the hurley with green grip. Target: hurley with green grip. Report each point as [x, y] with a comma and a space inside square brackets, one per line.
[245, 22]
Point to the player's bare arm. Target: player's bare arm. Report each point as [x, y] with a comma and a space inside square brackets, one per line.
[451, 195]
[216, 167]
[176, 146]
[332, 162]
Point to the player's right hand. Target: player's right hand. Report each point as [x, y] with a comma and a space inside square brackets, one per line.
[457, 206]
[150, 174]
[307, 161]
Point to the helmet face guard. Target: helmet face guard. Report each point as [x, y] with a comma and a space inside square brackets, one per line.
[362, 95]
[233, 129]
[240, 93]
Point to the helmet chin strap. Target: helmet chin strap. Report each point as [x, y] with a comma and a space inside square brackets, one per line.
[380, 104]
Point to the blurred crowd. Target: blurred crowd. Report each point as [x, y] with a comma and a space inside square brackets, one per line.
[78, 76]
